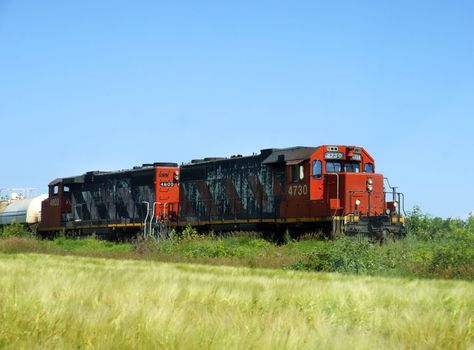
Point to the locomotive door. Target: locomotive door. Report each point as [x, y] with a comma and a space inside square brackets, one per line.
[166, 193]
[279, 190]
[317, 183]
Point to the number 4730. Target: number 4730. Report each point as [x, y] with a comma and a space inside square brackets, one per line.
[297, 190]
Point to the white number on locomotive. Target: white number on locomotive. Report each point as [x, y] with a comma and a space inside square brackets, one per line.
[298, 190]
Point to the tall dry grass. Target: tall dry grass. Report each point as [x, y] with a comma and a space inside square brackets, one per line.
[66, 302]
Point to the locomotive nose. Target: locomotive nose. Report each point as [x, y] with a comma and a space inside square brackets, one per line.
[364, 194]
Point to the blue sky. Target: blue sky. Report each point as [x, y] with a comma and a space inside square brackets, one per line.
[88, 85]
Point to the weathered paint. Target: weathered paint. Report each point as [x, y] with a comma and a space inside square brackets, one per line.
[276, 186]
[235, 188]
[96, 199]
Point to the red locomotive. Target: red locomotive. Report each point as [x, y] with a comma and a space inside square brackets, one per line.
[330, 188]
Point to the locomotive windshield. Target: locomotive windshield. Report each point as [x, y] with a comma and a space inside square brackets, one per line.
[333, 167]
[337, 167]
[351, 168]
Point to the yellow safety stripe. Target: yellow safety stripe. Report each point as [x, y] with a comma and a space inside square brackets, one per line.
[89, 226]
[252, 221]
[218, 222]
[201, 223]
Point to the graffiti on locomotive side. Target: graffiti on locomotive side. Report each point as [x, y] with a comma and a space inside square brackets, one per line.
[297, 190]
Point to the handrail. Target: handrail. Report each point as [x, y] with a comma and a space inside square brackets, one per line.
[388, 182]
[403, 203]
[337, 191]
[151, 218]
[146, 217]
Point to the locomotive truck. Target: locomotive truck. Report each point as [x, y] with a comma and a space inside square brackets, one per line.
[332, 188]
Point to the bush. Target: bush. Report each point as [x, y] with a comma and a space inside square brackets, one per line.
[209, 249]
[453, 251]
[188, 232]
[424, 226]
[470, 223]
[346, 254]
[14, 230]
[434, 247]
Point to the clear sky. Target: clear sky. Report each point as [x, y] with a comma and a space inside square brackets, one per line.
[105, 85]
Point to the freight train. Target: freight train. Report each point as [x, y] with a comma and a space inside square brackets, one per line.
[330, 188]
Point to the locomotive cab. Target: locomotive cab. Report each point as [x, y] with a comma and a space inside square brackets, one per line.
[56, 206]
[345, 179]
[332, 185]
[345, 185]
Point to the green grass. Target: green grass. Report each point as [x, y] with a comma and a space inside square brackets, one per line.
[61, 245]
[446, 257]
[62, 300]
[13, 230]
[72, 302]
[89, 245]
[449, 257]
[434, 248]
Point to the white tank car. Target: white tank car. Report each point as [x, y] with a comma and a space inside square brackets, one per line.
[22, 211]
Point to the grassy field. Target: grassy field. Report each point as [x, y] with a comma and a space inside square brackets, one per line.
[52, 301]
[449, 256]
[434, 248]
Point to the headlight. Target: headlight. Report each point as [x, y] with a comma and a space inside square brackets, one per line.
[357, 202]
[370, 181]
[370, 188]
[395, 204]
[387, 211]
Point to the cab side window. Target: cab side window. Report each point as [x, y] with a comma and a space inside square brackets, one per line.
[368, 168]
[317, 169]
[55, 190]
[297, 173]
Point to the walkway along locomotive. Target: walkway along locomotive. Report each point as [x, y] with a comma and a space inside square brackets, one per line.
[330, 188]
